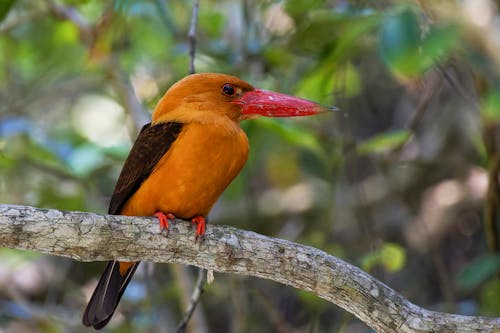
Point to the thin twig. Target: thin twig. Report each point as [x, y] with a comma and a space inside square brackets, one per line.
[198, 290]
[458, 88]
[195, 299]
[126, 92]
[431, 89]
[192, 35]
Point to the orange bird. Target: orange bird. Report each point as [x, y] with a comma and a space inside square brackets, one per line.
[183, 160]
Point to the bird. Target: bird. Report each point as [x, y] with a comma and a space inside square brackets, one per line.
[182, 161]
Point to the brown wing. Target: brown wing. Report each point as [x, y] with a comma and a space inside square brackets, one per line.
[151, 144]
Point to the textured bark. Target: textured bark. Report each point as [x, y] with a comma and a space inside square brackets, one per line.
[92, 237]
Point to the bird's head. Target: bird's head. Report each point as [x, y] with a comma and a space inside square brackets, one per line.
[205, 97]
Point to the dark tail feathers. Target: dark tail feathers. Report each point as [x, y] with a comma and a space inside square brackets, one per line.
[107, 294]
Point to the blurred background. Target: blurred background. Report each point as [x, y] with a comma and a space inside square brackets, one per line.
[402, 181]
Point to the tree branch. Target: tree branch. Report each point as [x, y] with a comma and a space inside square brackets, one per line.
[193, 302]
[192, 35]
[198, 289]
[92, 237]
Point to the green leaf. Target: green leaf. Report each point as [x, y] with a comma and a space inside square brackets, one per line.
[311, 301]
[316, 34]
[5, 6]
[291, 133]
[383, 142]
[212, 23]
[437, 45]
[317, 86]
[278, 56]
[65, 33]
[491, 106]
[300, 7]
[390, 255]
[490, 298]
[399, 39]
[407, 50]
[478, 271]
[369, 261]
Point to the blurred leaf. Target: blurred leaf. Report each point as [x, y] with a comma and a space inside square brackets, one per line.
[320, 85]
[382, 142]
[393, 257]
[311, 301]
[348, 78]
[277, 56]
[317, 86]
[332, 33]
[490, 298]
[291, 133]
[491, 106]
[212, 23]
[300, 7]
[5, 6]
[86, 159]
[62, 195]
[65, 33]
[320, 239]
[390, 255]
[399, 38]
[437, 45]
[121, 6]
[406, 50]
[120, 152]
[23, 148]
[237, 187]
[282, 168]
[478, 271]
[369, 261]
[14, 258]
[7, 163]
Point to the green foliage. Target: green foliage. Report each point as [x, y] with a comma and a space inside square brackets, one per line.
[390, 256]
[291, 133]
[319, 84]
[407, 49]
[377, 61]
[16, 258]
[212, 23]
[491, 106]
[479, 271]
[5, 6]
[383, 142]
[297, 7]
[490, 302]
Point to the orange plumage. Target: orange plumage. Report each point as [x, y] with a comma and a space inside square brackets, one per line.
[183, 160]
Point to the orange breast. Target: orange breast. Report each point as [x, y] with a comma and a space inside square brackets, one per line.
[190, 177]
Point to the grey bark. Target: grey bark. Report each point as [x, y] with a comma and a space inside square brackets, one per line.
[92, 237]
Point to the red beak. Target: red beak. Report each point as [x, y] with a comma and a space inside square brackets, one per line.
[273, 104]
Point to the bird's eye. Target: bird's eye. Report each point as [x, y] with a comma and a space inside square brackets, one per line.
[228, 90]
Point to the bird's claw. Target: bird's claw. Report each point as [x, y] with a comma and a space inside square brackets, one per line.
[164, 220]
[201, 227]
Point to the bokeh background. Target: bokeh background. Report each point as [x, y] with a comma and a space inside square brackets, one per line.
[402, 181]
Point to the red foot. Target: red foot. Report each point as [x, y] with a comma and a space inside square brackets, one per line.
[201, 226]
[164, 219]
